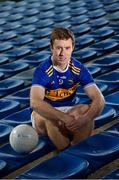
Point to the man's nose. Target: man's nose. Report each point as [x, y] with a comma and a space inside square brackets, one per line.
[61, 52]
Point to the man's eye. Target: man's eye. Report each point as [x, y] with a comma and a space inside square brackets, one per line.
[67, 48]
[58, 48]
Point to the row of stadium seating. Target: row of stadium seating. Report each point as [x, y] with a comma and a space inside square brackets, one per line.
[25, 27]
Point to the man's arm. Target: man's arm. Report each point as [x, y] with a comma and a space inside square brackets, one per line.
[97, 103]
[43, 108]
[93, 111]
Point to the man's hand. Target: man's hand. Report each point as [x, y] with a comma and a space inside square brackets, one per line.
[79, 118]
[77, 123]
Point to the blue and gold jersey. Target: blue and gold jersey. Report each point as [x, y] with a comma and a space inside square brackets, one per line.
[60, 86]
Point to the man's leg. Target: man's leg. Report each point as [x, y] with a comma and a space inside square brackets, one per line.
[86, 130]
[83, 133]
[57, 134]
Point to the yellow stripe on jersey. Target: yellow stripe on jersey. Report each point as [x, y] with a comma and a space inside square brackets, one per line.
[75, 72]
[50, 74]
[74, 69]
[49, 71]
[72, 64]
[60, 94]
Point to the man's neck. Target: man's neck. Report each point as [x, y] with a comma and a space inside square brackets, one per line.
[61, 67]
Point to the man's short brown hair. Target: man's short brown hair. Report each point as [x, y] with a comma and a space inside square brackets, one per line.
[62, 34]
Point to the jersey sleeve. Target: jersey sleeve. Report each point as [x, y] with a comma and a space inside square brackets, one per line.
[86, 78]
[39, 77]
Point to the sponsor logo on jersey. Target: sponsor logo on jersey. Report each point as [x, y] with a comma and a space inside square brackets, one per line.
[60, 93]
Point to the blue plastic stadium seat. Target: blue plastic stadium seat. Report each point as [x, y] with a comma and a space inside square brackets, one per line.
[44, 23]
[107, 63]
[78, 10]
[108, 114]
[105, 2]
[99, 23]
[26, 76]
[62, 166]
[17, 118]
[106, 46]
[28, 22]
[33, 5]
[6, 5]
[31, 12]
[98, 150]
[113, 100]
[36, 58]
[111, 79]
[4, 133]
[3, 166]
[1, 30]
[81, 29]
[65, 24]
[79, 20]
[95, 71]
[15, 160]
[2, 22]
[22, 40]
[4, 15]
[94, 5]
[19, 52]
[14, 17]
[42, 33]
[9, 86]
[5, 46]
[40, 44]
[97, 13]
[114, 130]
[18, 9]
[25, 29]
[103, 33]
[60, 9]
[77, 4]
[46, 7]
[85, 55]
[13, 68]
[11, 26]
[8, 107]
[114, 16]
[1, 75]
[20, 3]
[61, 2]
[46, 14]
[84, 41]
[114, 174]
[7, 35]
[112, 7]
[22, 96]
[3, 59]
[45, 2]
[116, 28]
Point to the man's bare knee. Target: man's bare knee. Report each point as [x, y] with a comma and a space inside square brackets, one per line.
[39, 122]
[79, 109]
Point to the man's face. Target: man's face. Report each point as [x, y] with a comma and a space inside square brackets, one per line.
[61, 51]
